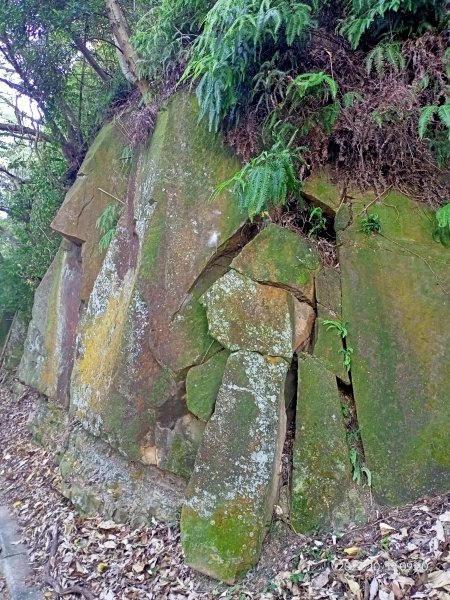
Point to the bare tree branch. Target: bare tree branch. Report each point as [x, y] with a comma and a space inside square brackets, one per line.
[22, 131]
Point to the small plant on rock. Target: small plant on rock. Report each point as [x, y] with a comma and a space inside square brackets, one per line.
[370, 224]
[107, 223]
[441, 232]
[338, 325]
[317, 220]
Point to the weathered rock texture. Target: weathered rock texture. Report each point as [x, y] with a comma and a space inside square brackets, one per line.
[167, 361]
[102, 178]
[47, 360]
[322, 494]
[144, 325]
[396, 299]
[231, 493]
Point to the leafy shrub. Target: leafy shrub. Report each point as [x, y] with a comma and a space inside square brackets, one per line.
[370, 224]
[385, 17]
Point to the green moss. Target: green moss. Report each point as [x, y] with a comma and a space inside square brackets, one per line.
[203, 383]
[321, 477]
[395, 304]
[319, 190]
[277, 255]
[224, 546]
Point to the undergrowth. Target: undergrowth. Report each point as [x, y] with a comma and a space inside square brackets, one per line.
[366, 84]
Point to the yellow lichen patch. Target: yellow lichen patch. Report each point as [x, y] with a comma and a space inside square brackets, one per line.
[102, 337]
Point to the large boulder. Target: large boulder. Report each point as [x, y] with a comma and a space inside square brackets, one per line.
[396, 300]
[144, 326]
[232, 490]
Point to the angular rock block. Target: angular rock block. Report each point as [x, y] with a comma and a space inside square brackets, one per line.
[47, 360]
[244, 315]
[103, 176]
[280, 257]
[321, 477]
[232, 490]
[203, 383]
[396, 300]
[328, 342]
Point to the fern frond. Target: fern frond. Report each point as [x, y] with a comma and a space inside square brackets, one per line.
[444, 115]
[442, 229]
[384, 55]
[266, 180]
[426, 114]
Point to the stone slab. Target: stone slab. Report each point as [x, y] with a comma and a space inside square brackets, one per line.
[230, 496]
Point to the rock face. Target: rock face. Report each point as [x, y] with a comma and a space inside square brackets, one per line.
[396, 299]
[168, 361]
[47, 360]
[231, 493]
[144, 325]
[321, 477]
[102, 177]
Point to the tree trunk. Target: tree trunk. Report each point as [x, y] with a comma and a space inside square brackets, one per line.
[121, 35]
[81, 46]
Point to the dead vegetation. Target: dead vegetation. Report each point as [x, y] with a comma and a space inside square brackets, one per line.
[401, 554]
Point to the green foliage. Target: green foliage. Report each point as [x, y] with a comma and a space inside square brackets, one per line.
[164, 34]
[266, 180]
[228, 55]
[107, 223]
[317, 220]
[429, 112]
[442, 229]
[358, 469]
[340, 327]
[384, 56]
[312, 84]
[383, 18]
[347, 361]
[27, 243]
[370, 224]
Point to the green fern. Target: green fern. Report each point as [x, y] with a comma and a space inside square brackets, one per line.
[388, 17]
[107, 223]
[429, 112]
[266, 180]
[312, 84]
[442, 230]
[386, 55]
[226, 55]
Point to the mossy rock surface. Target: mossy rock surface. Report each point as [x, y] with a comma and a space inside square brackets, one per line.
[321, 191]
[144, 325]
[396, 300]
[244, 315]
[103, 175]
[203, 383]
[231, 493]
[279, 256]
[328, 344]
[321, 477]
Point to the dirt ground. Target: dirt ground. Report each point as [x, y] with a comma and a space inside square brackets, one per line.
[401, 554]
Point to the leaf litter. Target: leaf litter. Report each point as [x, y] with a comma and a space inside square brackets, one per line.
[401, 554]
